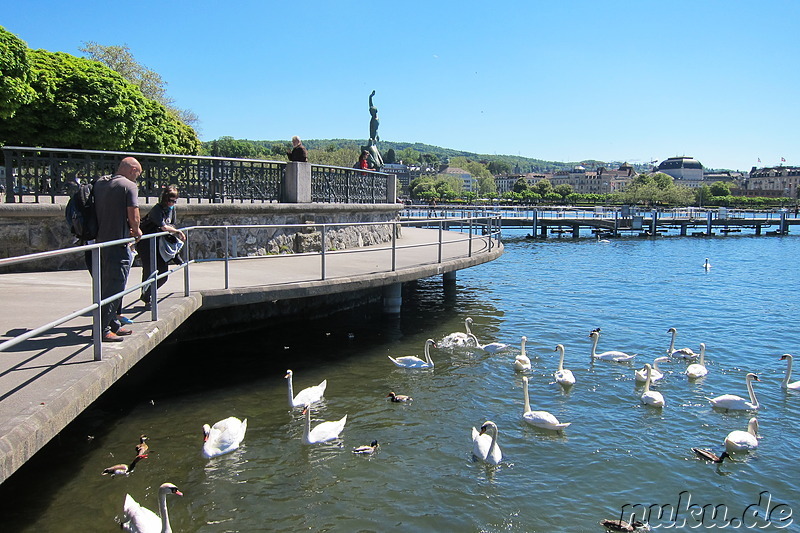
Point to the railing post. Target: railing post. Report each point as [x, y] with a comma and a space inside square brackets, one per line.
[97, 327]
[227, 258]
[153, 288]
[186, 256]
[440, 241]
[470, 235]
[322, 250]
[394, 245]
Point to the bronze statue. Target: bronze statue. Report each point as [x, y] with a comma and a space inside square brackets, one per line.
[375, 159]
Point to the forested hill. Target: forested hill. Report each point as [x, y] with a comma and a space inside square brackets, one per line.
[268, 149]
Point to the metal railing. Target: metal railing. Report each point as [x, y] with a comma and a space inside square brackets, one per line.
[52, 172]
[486, 230]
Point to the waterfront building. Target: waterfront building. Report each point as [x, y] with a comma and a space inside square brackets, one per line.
[399, 171]
[687, 171]
[598, 181]
[772, 182]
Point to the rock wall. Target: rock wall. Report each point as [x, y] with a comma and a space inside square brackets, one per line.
[32, 228]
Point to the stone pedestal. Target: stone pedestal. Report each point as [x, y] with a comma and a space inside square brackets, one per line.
[297, 183]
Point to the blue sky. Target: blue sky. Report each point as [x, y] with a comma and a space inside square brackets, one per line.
[566, 81]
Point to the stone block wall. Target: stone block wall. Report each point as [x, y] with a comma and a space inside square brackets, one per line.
[32, 228]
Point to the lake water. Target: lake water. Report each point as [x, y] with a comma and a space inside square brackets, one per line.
[617, 452]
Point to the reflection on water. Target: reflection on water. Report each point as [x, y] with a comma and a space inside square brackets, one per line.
[422, 477]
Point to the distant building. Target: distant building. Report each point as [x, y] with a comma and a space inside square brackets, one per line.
[772, 182]
[401, 173]
[687, 170]
[599, 181]
[470, 183]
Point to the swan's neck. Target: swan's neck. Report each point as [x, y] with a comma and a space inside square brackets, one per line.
[595, 338]
[523, 349]
[428, 353]
[492, 446]
[703, 356]
[788, 372]
[750, 390]
[655, 366]
[527, 399]
[162, 507]
[307, 428]
[466, 325]
[752, 428]
[561, 359]
[672, 342]
[647, 381]
[291, 391]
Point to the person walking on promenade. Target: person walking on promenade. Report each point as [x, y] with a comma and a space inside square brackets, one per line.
[117, 205]
[160, 218]
[299, 152]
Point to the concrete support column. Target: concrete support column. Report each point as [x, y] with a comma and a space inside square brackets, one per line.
[683, 229]
[576, 231]
[391, 188]
[297, 183]
[758, 229]
[392, 298]
[709, 227]
[449, 277]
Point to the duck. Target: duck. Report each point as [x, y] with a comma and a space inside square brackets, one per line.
[492, 347]
[458, 339]
[322, 432]
[366, 450]
[683, 353]
[652, 398]
[622, 525]
[657, 374]
[223, 437]
[785, 383]
[741, 441]
[123, 469]
[142, 447]
[563, 376]
[414, 362]
[306, 396]
[731, 401]
[484, 444]
[397, 398]
[138, 519]
[708, 455]
[522, 362]
[539, 419]
[698, 369]
[613, 355]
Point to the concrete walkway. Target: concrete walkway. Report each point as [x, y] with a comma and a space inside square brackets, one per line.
[47, 381]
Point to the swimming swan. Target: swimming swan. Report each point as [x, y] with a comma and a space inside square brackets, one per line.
[223, 437]
[785, 383]
[698, 370]
[492, 347]
[485, 447]
[683, 353]
[138, 519]
[563, 376]
[731, 401]
[412, 361]
[651, 397]
[740, 441]
[458, 339]
[522, 362]
[612, 355]
[322, 432]
[641, 375]
[306, 396]
[539, 419]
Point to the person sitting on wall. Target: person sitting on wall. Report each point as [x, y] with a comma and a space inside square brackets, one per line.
[298, 152]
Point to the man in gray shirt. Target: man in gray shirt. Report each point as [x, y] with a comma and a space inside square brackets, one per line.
[117, 205]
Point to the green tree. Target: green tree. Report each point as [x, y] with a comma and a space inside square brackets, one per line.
[499, 167]
[82, 104]
[408, 156]
[520, 186]
[563, 190]
[229, 147]
[543, 187]
[391, 157]
[663, 181]
[15, 74]
[703, 195]
[121, 60]
[720, 188]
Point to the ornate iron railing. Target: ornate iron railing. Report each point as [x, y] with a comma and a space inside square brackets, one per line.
[44, 173]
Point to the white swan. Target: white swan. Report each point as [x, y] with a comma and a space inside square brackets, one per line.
[223, 437]
[412, 361]
[683, 353]
[322, 432]
[740, 441]
[492, 347]
[522, 362]
[731, 401]
[602, 241]
[698, 370]
[641, 375]
[485, 447]
[563, 376]
[651, 397]
[458, 339]
[306, 396]
[612, 355]
[138, 519]
[706, 265]
[540, 419]
[785, 383]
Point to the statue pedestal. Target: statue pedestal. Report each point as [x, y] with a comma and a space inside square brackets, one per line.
[297, 183]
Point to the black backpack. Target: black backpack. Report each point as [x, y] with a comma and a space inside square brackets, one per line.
[81, 213]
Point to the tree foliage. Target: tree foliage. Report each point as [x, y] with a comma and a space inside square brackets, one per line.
[15, 74]
[121, 60]
[83, 104]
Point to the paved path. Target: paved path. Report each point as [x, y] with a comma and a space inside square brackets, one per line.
[46, 382]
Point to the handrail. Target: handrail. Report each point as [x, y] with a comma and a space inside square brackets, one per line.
[490, 233]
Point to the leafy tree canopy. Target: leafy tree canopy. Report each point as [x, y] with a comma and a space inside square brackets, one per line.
[15, 74]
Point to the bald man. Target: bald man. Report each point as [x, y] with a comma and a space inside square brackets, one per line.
[117, 204]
